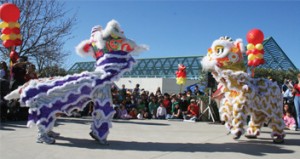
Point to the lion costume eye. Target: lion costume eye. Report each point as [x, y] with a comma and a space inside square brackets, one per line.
[219, 49]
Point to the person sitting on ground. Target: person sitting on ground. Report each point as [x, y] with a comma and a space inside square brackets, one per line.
[183, 102]
[123, 114]
[167, 103]
[289, 121]
[133, 113]
[192, 112]
[161, 111]
[177, 113]
[153, 105]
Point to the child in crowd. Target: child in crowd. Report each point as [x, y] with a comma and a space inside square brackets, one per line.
[161, 111]
[289, 121]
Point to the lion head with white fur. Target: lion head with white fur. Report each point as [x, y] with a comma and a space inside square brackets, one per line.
[112, 38]
[224, 53]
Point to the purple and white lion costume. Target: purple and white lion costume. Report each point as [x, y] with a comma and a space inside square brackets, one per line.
[48, 96]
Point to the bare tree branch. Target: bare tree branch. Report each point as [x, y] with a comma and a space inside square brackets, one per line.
[44, 29]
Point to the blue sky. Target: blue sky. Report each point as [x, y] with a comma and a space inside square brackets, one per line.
[185, 27]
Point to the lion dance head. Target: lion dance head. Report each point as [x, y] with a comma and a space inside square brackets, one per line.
[224, 53]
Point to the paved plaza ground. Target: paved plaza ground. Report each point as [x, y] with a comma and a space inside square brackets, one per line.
[143, 139]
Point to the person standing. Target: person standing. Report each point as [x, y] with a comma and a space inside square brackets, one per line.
[161, 112]
[296, 92]
[4, 72]
[19, 72]
[30, 74]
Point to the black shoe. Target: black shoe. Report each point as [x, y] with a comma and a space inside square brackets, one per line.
[93, 136]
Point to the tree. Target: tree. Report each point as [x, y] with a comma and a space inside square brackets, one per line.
[52, 71]
[44, 27]
[277, 75]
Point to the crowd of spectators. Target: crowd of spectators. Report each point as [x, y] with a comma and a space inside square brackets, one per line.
[142, 104]
[136, 103]
[21, 72]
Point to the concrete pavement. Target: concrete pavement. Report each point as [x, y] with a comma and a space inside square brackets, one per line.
[143, 139]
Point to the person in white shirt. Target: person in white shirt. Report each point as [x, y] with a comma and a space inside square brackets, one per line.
[161, 111]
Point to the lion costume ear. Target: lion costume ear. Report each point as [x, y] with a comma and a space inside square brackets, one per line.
[240, 45]
[84, 48]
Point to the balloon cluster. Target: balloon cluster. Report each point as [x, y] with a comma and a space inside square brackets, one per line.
[181, 74]
[255, 49]
[9, 14]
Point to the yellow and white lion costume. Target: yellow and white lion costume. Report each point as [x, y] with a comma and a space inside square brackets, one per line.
[258, 97]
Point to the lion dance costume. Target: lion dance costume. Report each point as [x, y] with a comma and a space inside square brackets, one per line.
[47, 97]
[258, 97]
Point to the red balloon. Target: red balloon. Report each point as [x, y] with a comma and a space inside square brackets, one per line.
[250, 63]
[17, 42]
[256, 62]
[9, 12]
[13, 56]
[16, 30]
[255, 36]
[8, 43]
[248, 52]
[6, 31]
[262, 61]
[255, 52]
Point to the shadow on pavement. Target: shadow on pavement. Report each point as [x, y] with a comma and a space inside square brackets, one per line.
[11, 125]
[139, 123]
[255, 148]
[85, 121]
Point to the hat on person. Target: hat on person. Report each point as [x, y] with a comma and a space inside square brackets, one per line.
[192, 100]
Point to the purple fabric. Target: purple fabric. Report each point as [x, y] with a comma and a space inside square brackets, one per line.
[44, 88]
[102, 130]
[106, 108]
[45, 111]
[87, 88]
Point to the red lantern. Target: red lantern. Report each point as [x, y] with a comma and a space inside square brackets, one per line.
[13, 56]
[9, 12]
[255, 36]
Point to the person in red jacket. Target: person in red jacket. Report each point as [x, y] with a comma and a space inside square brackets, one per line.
[192, 112]
[296, 92]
